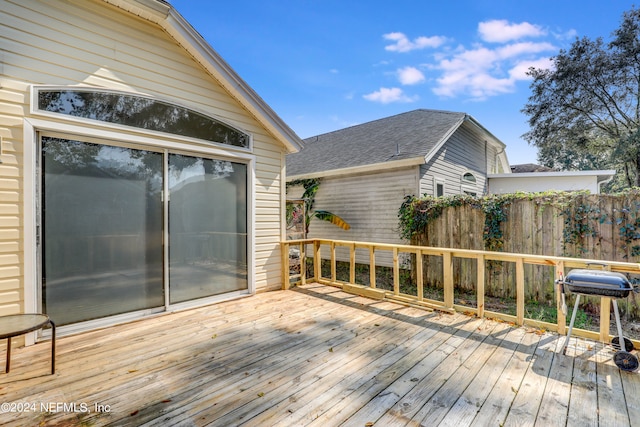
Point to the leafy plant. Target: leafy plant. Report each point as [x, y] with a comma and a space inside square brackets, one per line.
[311, 187]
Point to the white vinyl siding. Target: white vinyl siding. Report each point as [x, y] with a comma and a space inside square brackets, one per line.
[87, 42]
[369, 202]
[464, 152]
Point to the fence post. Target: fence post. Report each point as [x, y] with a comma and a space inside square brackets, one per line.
[352, 263]
[396, 272]
[562, 318]
[447, 276]
[480, 285]
[334, 274]
[303, 263]
[316, 260]
[372, 266]
[605, 320]
[286, 279]
[419, 274]
[520, 291]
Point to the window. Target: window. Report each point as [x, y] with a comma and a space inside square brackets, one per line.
[438, 187]
[140, 112]
[469, 178]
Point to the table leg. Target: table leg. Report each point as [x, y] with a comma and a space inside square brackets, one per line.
[8, 355]
[53, 347]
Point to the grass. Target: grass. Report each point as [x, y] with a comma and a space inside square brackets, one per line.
[587, 316]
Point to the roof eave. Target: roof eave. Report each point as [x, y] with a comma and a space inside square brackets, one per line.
[179, 28]
[375, 167]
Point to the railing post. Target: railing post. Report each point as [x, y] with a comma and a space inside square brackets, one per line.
[372, 266]
[286, 278]
[303, 263]
[605, 319]
[316, 260]
[480, 285]
[420, 275]
[334, 274]
[447, 276]
[562, 318]
[396, 272]
[352, 263]
[520, 291]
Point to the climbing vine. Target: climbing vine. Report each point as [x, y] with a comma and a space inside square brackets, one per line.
[581, 214]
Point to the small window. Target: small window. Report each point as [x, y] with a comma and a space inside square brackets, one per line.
[141, 112]
[469, 177]
[439, 190]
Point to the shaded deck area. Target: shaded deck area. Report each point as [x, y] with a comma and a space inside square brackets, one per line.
[318, 356]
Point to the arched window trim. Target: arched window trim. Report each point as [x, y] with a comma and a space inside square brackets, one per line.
[35, 110]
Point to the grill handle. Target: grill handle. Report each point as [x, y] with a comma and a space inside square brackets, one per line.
[560, 283]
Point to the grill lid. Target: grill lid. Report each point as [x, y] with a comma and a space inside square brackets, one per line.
[596, 282]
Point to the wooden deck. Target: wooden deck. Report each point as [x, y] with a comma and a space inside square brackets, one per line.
[318, 356]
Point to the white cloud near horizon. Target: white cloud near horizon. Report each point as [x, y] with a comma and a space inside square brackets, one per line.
[501, 31]
[410, 76]
[388, 95]
[403, 44]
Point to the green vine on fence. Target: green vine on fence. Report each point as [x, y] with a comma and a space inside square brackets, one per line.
[581, 219]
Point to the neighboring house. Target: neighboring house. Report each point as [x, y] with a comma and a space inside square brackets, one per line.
[368, 169]
[139, 173]
[534, 178]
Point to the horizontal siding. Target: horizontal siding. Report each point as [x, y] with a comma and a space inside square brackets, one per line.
[465, 151]
[87, 42]
[368, 202]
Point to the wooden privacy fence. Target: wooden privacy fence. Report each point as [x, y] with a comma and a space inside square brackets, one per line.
[447, 258]
[597, 227]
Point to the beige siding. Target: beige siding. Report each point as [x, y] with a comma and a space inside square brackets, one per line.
[369, 203]
[464, 152]
[86, 42]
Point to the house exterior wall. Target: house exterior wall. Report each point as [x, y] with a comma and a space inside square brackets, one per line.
[542, 182]
[369, 202]
[464, 152]
[90, 43]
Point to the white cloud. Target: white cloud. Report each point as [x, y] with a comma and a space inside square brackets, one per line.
[403, 44]
[410, 76]
[333, 71]
[501, 31]
[389, 95]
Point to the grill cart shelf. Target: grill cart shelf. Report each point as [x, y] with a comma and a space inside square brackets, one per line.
[603, 284]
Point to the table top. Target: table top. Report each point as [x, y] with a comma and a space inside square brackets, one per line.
[18, 324]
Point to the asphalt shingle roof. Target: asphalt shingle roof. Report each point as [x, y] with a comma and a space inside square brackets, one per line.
[415, 132]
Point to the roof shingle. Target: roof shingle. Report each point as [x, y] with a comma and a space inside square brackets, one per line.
[403, 136]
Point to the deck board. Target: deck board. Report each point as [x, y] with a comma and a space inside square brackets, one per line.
[318, 356]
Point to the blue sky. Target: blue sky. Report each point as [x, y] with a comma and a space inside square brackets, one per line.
[325, 65]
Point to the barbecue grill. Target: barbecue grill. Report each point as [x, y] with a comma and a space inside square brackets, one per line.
[604, 284]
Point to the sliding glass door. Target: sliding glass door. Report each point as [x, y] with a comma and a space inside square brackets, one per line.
[207, 227]
[104, 222]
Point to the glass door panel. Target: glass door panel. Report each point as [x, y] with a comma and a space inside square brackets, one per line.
[101, 230]
[207, 227]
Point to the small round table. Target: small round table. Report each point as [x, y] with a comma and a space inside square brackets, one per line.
[19, 324]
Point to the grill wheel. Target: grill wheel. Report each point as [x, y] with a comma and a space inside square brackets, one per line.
[625, 361]
[628, 345]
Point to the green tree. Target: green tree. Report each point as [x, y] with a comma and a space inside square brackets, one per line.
[584, 112]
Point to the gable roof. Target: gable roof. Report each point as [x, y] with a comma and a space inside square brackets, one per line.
[403, 139]
[166, 16]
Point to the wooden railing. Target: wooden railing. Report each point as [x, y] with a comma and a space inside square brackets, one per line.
[447, 255]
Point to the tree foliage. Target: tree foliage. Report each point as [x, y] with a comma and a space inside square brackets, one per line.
[584, 112]
[311, 187]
